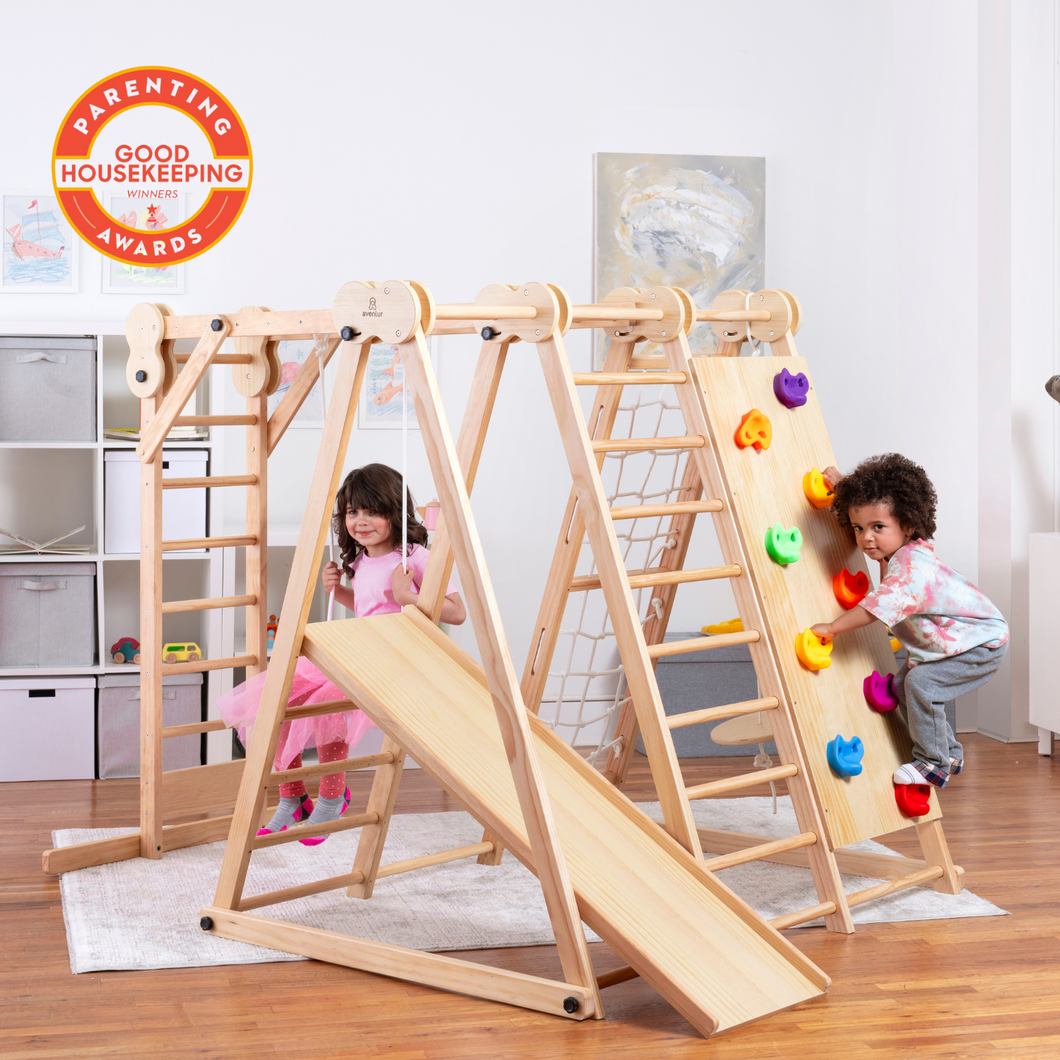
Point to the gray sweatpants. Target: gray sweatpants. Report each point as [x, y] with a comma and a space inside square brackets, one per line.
[924, 690]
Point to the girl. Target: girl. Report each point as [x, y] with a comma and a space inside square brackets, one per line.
[368, 526]
[954, 636]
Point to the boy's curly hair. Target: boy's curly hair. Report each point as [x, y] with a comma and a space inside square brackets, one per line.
[895, 480]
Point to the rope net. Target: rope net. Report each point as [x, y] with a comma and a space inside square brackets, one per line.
[586, 685]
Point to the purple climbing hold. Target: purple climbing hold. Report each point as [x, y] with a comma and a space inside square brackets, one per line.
[879, 691]
[791, 390]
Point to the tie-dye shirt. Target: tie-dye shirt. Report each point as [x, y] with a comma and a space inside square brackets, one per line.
[934, 611]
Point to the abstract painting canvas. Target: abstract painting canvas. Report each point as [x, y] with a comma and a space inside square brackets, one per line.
[149, 216]
[691, 221]
[40, 249]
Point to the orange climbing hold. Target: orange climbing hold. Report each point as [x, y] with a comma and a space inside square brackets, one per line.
[755, 429]
[814, 652]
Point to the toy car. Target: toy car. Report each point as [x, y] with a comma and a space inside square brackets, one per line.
[181, 652]
[125, 650]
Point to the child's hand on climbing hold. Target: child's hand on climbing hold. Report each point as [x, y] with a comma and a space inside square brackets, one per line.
[831, 477]
[823, 629]
[401, 585]
[331, 576]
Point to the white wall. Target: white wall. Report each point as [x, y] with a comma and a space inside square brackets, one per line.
[453, 143]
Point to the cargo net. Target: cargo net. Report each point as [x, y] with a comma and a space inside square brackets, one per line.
[586, 685]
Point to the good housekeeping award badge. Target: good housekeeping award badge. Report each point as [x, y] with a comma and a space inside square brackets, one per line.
[152, 133]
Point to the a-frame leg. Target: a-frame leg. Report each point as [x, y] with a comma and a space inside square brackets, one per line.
[297, 600]
[372, 839]
[549, 863]
[937, 852]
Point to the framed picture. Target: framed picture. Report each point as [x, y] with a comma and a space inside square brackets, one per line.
[384, 390]
[293, 354]
[149, 215]
[691, 221]
[39, 246]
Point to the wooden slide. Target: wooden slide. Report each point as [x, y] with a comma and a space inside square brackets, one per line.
[702, 948]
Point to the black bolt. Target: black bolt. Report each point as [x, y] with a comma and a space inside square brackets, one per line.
[141, 376]
[349, 334]
[216, 324]
[570, 1004]
[206, 923]
[489, 333]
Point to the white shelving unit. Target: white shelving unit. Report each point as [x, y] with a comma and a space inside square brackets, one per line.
[49, 487]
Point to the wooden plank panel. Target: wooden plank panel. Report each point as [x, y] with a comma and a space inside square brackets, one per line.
[711, 956]
[766, 488]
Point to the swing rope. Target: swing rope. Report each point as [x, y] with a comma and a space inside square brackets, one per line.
[318, 349]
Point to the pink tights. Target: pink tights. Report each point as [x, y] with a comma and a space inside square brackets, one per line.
[332, 785]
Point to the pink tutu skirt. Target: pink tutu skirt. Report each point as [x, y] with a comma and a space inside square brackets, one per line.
[239, 709]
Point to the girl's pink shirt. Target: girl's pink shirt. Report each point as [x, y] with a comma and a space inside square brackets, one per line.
[372, 594]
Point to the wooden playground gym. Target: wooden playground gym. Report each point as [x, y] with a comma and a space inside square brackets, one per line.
[646, 890]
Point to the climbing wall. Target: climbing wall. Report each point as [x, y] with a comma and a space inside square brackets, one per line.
[765, 487]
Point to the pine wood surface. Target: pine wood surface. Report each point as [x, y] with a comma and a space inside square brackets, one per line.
[766, 488]
[975, 988]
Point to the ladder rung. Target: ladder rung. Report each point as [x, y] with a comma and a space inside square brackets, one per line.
[333, 883]
[202, 665]
[870, 894]
[731, 710]
[304, 831]
[642, 445]
[315, 710]
[744, 780]
[619, 975]
[395, 868]
[187, 544]
[641, 579]
[756, 853]
[800, 916]
[193, 728]
[172, 607]
[215, 421]
[627, 378]
[344, 765]
[209, 482]
[648, 361]
[652, 511]
[218, 358]
[722, 640]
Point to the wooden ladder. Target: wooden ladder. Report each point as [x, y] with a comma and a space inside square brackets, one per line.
[640, 646]
[164, 389]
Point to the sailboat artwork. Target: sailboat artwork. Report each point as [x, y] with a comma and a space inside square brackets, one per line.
[38, 251]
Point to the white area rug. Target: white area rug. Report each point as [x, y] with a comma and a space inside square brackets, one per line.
[142, 914]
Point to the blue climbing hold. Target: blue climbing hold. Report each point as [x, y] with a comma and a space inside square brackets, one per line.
[844, 756]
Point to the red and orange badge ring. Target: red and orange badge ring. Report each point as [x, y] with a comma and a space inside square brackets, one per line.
[138, 87]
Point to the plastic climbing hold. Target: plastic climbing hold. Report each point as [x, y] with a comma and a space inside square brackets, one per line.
[850, 589]
[755, 429]
[791, 390]
[816, 490]
[914, 800]
[814, 652]
[896, 644]
[844, 756]
[879, 691]
[733, 625]
[783, 545]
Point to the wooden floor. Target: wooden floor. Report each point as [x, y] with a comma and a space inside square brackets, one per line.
[950, 988]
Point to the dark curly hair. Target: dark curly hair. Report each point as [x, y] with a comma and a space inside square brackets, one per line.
[374, 488]
[894, 480]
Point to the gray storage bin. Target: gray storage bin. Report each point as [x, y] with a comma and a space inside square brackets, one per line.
[47, 614]
[47, 389]
[696, 680]
[118, 725]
